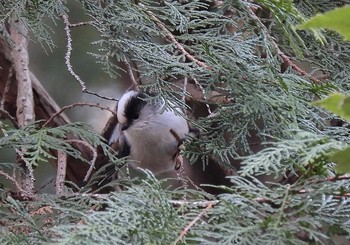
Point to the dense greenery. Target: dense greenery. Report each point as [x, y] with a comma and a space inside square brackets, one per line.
[257, 78]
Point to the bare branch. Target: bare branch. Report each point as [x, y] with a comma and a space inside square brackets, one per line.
[188, 227]
[196, 93]
[13, 180]
[75, 105]
[295, 67]
[204, 96]
[135, 84]
[85, 23]
[61, 172]
[199, 204]
[7, 88]
[8, 116]
[68, 58]
[69, 52]
[94, 157]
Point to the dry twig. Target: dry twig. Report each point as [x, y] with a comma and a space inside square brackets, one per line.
[93, 160]
[61, 172]
[75, 105]
[188, 227]
[13, 180]
[204, 96]
[135, 84]
[9, 117]
[68, 58]
[7, 88]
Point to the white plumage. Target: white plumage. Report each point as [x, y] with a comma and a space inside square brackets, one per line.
[146, 128]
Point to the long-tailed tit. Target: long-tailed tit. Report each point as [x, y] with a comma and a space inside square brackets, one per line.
[149, 133]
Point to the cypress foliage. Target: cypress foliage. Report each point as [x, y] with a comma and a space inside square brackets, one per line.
[249, 80]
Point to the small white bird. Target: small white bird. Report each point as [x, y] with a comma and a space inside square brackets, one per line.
[149, 133]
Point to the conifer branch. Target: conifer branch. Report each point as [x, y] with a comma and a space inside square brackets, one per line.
[285, 58]
[170, 37]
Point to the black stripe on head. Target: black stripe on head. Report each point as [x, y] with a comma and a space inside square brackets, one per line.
[134, 106]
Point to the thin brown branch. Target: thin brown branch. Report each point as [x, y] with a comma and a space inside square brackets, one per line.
[61, 172]
[7, 88]
[93, 160]
[198, 204]
[285, 58]
[86, 91]
[184, 90]
[75, 105]
[79, 24]
[295, 67]
[188, 227]
[203, 93]
[196, 93]
[9, 117]
[135, 84]
[339, 177]
[173, 40]
[13, 180]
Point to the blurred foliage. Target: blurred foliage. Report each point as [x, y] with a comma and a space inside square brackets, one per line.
[336, 20]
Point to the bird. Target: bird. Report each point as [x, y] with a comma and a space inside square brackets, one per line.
[151, 135]
[148, 132]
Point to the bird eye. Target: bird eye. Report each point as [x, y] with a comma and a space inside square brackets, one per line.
[135, 116]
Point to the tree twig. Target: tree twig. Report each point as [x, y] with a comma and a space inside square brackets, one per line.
[13, 180]
[204, 96]
[9, 117]
[69, 52]
[295, 67]
[285, 58]
[75, 105]
[93, 160]
[68, 58]
[78, 24]
[173, 40]
[61, 172]
[7, 88]
[339, 177]
[188, 227]
[135, 84]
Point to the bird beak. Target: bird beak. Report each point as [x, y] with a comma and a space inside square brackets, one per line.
[125, 126]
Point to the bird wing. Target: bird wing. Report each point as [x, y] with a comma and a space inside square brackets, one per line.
[119, 143]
